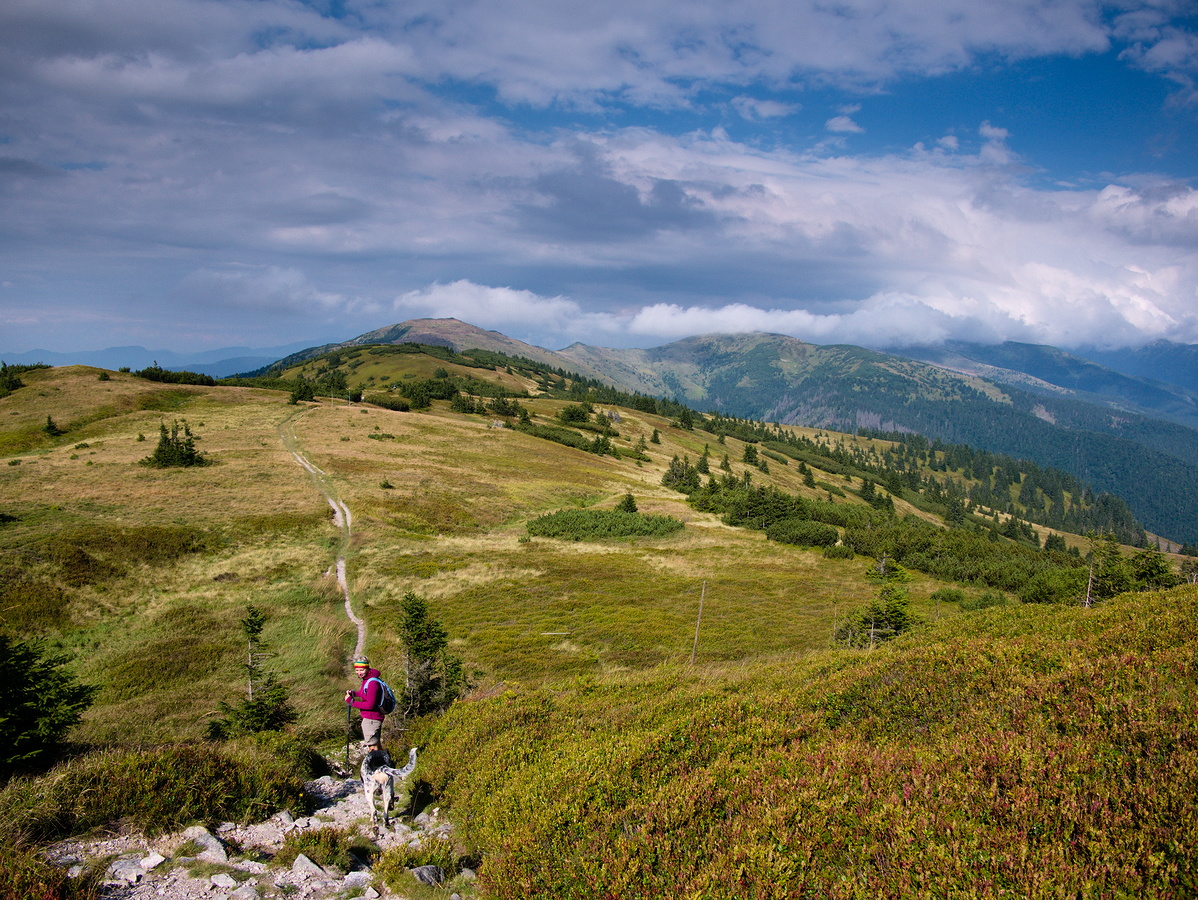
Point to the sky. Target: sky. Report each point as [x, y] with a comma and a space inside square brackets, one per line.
[198, 174]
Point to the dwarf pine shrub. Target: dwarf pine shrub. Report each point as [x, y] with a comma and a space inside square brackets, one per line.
[601, 524]
[39, 703]
[802, 532]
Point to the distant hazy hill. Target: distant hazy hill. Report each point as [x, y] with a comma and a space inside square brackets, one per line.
[1049, 370]
[1160, 360]
[218, 363]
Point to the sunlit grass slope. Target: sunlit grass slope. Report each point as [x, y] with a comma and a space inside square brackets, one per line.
[1023, 752]
[143, 574]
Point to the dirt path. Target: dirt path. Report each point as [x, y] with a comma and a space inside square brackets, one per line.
[341, 518]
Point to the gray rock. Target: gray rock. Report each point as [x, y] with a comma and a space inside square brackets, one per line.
[246, 892]
[75, 871]
[223, 880]
[213, 849]
[305, 866]
[124, 871]
[432, 875]
[371, 894]
[153, 861]
[468, 874]
[267, 834]
[356, 879]
[285, 818]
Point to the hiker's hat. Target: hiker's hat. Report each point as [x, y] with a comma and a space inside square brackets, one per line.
[361, 663]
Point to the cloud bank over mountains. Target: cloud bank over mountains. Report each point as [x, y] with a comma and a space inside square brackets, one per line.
[203, 173]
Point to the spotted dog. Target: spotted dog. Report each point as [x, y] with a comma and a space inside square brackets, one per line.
[379, 776]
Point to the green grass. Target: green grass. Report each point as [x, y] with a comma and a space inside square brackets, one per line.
[327, 847]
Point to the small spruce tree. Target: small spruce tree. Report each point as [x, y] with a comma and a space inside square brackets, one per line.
[435, 678]
[886, 616]
[39, 704]
[266, 706]
[175, 448]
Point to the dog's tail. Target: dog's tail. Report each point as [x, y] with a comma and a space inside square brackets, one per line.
[406, 770]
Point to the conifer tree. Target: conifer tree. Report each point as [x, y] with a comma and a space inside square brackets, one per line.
[435, 678]
[175, 449]
[39, 704]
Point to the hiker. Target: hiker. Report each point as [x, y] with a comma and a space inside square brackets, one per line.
[368, 700]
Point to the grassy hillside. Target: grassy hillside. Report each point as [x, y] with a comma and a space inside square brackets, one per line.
[1024, 749]
[144, 573]
[1030, 752]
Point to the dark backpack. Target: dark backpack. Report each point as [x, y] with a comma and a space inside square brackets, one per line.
[386, 704]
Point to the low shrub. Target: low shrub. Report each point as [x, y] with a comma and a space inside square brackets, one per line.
[389, 401]
[948, 595]
[327, 847]
[985, 600]
[599, 524]
[839, 551]
[24, 875]
[803, 532]
[155, 790]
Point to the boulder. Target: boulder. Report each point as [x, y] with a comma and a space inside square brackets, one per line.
[305, 866]
[212, 850]
[124, 871]
[431, 875]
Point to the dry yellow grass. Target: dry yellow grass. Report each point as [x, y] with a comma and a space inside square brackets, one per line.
[450, 528]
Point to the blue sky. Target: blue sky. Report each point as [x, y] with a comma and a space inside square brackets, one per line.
[195, 174]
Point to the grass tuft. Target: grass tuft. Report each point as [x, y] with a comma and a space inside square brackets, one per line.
[155, 790]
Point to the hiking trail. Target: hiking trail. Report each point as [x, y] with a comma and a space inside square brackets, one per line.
[341, 518]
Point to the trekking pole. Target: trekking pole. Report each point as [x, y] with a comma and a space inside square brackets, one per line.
[349, 728]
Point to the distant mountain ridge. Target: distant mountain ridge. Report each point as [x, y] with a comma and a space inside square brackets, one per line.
[1042, 369]
[1150, 462]
[452, 333]
[219, 363]
[1125, 434]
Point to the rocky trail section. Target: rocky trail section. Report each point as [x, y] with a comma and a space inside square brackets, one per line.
[341, 518]
[234, 862]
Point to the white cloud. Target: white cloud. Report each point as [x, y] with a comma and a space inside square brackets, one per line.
[149, 142]
[756, 110]
[843, 124]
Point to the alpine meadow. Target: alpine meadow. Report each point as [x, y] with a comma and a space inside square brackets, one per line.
[679, 653]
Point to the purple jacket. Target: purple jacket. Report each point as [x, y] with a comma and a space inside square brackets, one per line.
[366, 699]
